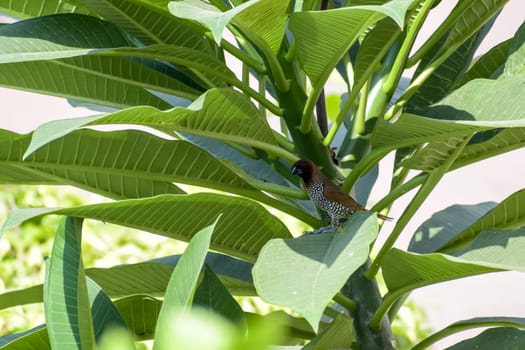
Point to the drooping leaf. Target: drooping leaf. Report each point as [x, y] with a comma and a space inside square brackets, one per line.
[496, 337]
[66, 304]
[442, 226]
[305, 273]
[508, 214]
[243, 230]
[502, 337]
[182, 285]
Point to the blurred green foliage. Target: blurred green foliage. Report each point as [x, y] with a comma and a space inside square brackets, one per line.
[23, 249]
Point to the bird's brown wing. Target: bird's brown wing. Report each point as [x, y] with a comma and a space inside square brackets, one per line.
[335, 194]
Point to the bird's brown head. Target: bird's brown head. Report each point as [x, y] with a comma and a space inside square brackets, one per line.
[304, 168]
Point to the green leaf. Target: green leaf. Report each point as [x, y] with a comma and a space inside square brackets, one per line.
[446, 224]
[37, 338]
[223, 114]
[182, 285]
[207, 15]
[267, 19]
[82, 159]
[149, 23]
[57, 36]
[213, 295]
[483, 100]
[140, 312]
[515, 63]
[508, 214]
[501, 337]
[66, 303]
[34, 8]
[487, 66]
[149, 277]
[323, 37]
[97, 80]
[491, 251]
[305, 273]
[245, 226]
[504, 336]
[338, 335]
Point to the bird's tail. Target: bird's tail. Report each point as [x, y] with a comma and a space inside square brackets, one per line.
[384, 217]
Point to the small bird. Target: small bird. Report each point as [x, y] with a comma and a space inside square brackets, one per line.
[325, 194]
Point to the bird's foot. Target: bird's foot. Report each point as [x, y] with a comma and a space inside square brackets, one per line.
[321, 230]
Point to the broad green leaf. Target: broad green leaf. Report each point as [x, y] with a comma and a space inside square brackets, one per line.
[107, 81]
[149, 24]
[149, 277]
[57, 36]
[207, 15]
[89, 159]
[515, 63]
[33, 8]
[482, 100]
[305, 273]
[104, 313]
[491, 251]
[411, 129]
[323, 37]
[182, 285]
[338, 335]
[267, 19]
[469, 20]
[223, 114]
[440, 83]
[140, 312]
[432, 155]
[508, 214]
[36, 338]
[487, 66]
[501, 337]
[213, 295]
[66, 303]
[243, 230]
[445, 225]
[505, 140]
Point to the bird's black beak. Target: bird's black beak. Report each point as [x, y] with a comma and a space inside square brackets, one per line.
[296, 171]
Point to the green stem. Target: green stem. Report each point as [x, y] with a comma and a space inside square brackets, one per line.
[278, 189]
[345, 301]
[308, 112]
[284, 142]
[399, 191]
[363, 167]
[427, 187]
[359, 125]
[399, 64]
[243, 57]
[248, 152]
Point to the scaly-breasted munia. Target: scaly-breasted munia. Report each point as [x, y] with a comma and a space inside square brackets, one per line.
[325, 194]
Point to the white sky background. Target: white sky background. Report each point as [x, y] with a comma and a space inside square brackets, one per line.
[499, 294]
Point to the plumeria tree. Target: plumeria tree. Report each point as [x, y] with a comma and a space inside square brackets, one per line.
[168, 67]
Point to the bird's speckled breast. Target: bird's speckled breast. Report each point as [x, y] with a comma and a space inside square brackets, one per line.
[334, 209]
